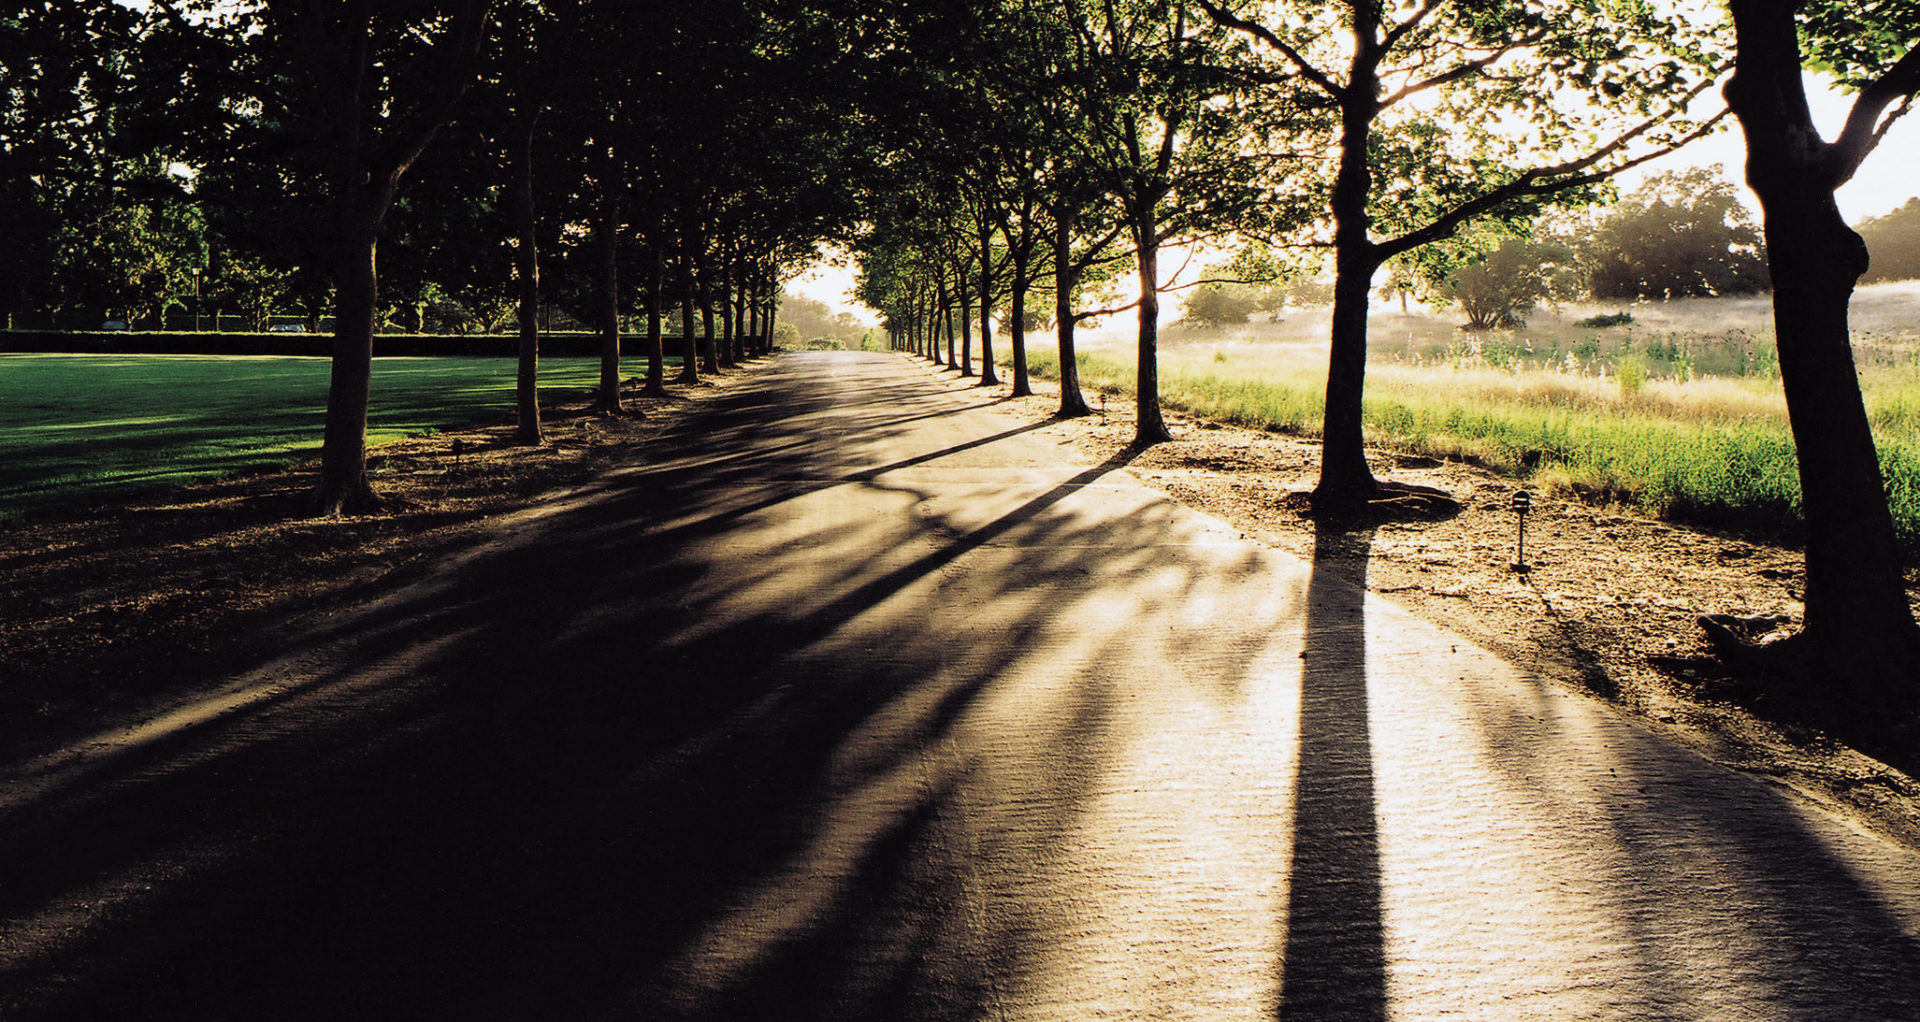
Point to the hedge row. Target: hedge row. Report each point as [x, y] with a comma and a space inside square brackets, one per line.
[559, 345]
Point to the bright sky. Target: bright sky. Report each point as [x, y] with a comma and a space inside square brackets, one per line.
[1890, 176]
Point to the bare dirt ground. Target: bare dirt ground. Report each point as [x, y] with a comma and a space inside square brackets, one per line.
[110, 610]
[1609, 605]
[107, 612]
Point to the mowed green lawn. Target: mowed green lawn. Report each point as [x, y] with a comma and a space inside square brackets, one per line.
[76, 430]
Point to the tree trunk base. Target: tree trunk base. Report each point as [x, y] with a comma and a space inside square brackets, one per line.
[1072, 406]
[1864, 688]
[356, 498]
[1381, 500]
[1148, 435]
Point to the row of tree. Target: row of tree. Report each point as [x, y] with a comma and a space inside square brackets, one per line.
[973, 152]
[654, 159]
[1057, 138]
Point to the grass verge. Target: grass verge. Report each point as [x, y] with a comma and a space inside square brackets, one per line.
[82, 429]
[1718, 459]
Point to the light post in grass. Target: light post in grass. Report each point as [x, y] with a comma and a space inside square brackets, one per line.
[196, 299]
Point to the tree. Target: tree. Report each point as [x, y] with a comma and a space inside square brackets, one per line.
[133, 257]
[64, 156]
[533, 60]
[1449, 113]
[355, 91]
[1499, 289]
[1680, 234]
[1893, 244]
[1169, 140]
[1217, 304]
[1859, 635]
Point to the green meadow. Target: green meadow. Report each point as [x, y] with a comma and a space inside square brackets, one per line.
[1677, 412]
[80, 429]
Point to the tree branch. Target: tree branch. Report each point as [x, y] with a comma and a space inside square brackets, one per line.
[1464, 70]
[1307, 70]
[1864, 128]
[1539, 181]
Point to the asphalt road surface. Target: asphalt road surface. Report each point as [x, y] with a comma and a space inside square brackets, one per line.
[858, 700]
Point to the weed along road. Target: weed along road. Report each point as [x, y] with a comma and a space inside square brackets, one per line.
[858, 699]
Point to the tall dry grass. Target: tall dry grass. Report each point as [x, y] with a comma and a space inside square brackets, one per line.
[1679, 413]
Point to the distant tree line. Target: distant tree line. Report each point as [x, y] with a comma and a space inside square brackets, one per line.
[812, 319]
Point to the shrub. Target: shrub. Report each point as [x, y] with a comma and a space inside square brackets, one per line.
[1631, 372]
[1606, 320]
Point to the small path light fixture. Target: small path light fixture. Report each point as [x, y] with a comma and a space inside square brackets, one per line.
[1522, 504]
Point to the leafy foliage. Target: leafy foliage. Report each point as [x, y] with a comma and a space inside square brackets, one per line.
[1682, 234]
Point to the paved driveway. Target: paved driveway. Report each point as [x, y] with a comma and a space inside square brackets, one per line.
[856, 700]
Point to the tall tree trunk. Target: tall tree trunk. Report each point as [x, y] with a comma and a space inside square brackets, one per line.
[947, 325]
[966, 326]
[689, 346]
[527, 263]
[1345, 479]
[1149, 427]
[1066, 279]
[1022, 387]
[656, 300]
[988, 376]
[739, 316]
[731, 357]
[709, 350]
[343, 486]
[934, 325]
[608, 242]
[1858, 625]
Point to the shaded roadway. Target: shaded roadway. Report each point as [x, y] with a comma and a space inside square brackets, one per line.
[858, 699]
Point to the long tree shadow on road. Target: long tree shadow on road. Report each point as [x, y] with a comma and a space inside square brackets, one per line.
[1335, 958]
[580, 763]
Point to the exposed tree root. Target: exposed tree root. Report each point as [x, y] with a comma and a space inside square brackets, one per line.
[1869, 697]
[357, 498]
[1382, 501]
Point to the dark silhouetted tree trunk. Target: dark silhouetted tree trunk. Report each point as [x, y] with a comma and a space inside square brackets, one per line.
[1017, 329]
[1149, 427]
[1066, 279]
[966, 325]
[526, 259]
[988, 375]
[340, 49]
[343, 453]
[656, 300]
[607, 241]
[1858, 624]
[1345, 479]
[689, 344]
